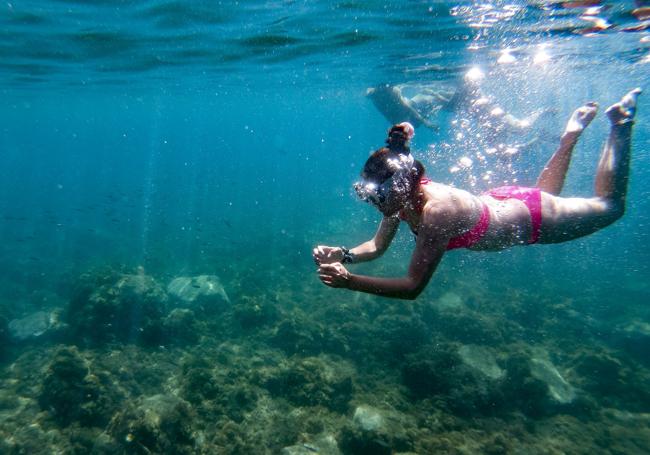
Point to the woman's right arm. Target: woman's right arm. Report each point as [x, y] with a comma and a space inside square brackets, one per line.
[367, 251]
[375, 247]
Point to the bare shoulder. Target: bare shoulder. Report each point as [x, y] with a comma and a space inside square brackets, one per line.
[448, 208]
[447, 199]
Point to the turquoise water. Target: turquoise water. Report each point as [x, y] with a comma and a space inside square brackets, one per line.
[166, 139]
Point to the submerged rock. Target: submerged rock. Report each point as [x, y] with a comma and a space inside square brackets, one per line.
[300, 449]
[35, 325]
[522, 391]
[368, 418]
[118, 307]
[450, 301]
[71, 393]
[157, 424]
[535, 386]
[559, 389]
[324, 444]
[199, 291]
[482, 360]
[377, 431]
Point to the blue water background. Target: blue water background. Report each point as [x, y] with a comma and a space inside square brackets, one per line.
[223, 137]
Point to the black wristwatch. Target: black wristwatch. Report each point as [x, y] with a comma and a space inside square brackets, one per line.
[348, 258]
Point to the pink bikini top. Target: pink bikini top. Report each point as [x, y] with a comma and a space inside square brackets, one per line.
[468, 238]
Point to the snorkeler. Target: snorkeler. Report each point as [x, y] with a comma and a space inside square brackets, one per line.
[468, 98]
[394, 106]
[445, 218]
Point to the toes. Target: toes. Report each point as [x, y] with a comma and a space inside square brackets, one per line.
[589, 109]
[629, 100]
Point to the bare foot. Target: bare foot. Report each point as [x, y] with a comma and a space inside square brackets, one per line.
[581, 117]
[623, 111]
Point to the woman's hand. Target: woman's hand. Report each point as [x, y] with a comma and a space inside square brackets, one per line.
[334, 275]
[327, 254]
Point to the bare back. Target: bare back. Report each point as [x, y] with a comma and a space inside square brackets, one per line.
[509, 220]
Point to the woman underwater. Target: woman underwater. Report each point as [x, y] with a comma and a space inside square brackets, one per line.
[445, 218]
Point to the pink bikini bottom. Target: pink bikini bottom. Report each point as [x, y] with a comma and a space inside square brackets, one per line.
[532, 197]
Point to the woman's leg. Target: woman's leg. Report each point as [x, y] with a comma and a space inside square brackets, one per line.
[569, 218]
[551, 180]
[614, 165]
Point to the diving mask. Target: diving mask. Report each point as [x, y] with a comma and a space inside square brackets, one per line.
[372, 192]
[376, 193]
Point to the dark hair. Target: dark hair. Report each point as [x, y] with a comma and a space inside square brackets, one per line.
[397, 139]
[378, 170]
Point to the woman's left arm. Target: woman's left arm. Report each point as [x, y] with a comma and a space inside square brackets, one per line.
[429, 249]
